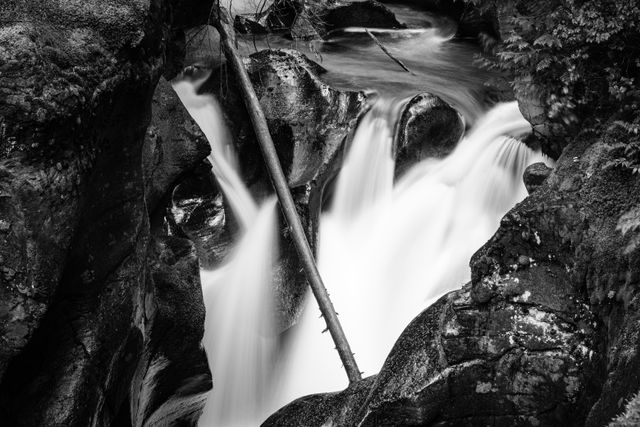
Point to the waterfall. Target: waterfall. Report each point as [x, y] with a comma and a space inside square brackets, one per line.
[239, 333]
[239, 338]
[387, 251]
[206, 112]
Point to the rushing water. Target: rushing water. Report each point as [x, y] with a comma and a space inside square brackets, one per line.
[440, 64]
[239, 331]
[386, 248]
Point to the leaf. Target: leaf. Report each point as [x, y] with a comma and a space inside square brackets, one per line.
[543, 64]
[546, 40]
[629, 221]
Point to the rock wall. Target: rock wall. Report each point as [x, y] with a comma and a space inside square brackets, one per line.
[76, 84]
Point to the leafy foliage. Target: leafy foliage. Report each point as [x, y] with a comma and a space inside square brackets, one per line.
[579, 58]
[624, 138]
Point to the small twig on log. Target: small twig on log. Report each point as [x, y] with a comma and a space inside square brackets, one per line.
[385, 50]
[222, 22]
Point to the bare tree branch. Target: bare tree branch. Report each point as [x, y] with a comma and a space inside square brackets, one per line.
[384, 49]
[222, 22]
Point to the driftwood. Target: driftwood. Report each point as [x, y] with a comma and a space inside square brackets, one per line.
[222, 22]
[386, 51]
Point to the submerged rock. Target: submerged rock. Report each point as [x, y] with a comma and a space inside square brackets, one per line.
[428, 128]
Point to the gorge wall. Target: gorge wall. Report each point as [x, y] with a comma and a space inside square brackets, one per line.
[547, 332]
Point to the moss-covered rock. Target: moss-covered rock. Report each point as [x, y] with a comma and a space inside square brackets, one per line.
[76, 81]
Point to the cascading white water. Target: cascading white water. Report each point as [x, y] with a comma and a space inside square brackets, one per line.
[386, 251]
[239, 338]
[206, 112]
[239, 333]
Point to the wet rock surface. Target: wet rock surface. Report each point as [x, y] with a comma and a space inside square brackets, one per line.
[313, 19]
[535, 175]
[428, 128]
[173, 144]
[310, 123]
[547, 331]
[76, 84]
[244, 25]
[198, 212]
[172, 376]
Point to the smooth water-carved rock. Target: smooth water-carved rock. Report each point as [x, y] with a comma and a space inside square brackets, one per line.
[244, 25]
[310, 123]
[174, 144]
[428, 128]
[76, 83]
[172, 376]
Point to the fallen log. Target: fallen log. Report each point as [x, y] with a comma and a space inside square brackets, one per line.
[222, 22]
[386, 51]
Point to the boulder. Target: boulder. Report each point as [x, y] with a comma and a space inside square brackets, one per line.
[428, 128]
[546, 136]
[534, 175]
[338, 409]
[511, 360]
